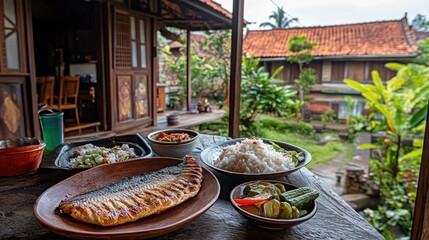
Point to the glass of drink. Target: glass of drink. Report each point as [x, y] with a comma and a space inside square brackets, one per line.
[52, 128]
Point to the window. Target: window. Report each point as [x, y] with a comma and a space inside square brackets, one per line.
[10, 33]
[355, 71]
[343, 110]
[138, 43]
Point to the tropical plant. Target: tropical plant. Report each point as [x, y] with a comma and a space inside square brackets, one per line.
[280, 20]
[328, 117]
[301, 54]
[402, 103]
[174, 74]
[209, 78]
[420, 23]
[423, 57]
[306, 79]
[218, 44]
[259, 94]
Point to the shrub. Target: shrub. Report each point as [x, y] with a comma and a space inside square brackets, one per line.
[279, 125]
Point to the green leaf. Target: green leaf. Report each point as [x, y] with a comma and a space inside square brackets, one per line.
[355, 85]
[371, 96]
[367, 146]
[278, 70]
[385, 111]
[394, 84]
[377, 80]
[412, 154]
[418, 142]
[419, 117]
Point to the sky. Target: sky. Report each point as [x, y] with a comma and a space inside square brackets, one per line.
[331, 12]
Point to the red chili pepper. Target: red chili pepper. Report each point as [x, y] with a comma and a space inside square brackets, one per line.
[249, 201]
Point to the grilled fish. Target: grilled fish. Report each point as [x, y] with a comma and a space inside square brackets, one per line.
[136, 197]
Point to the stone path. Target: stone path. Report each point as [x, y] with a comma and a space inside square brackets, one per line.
[328, 171]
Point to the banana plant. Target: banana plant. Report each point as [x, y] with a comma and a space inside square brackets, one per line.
[401, 102]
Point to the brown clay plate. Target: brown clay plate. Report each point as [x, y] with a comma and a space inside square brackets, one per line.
[168, 221]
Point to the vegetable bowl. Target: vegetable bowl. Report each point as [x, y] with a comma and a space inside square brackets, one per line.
[274, 204]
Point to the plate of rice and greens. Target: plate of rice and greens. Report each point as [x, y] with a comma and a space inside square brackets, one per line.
[255, 158]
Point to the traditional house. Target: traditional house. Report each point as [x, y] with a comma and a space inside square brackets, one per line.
[112, 45]
[343, 51]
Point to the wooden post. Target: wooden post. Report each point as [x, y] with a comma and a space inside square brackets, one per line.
[188, 69]
[236, 54]
[155, 75]
[420, 227]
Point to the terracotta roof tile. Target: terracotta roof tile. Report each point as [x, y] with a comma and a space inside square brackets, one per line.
[216, 6]
[372, 38]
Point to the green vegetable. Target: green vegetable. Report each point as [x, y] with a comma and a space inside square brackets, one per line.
[254, 189]
[296, 192]
[272, 190]
[285, 210]
[277, 147]
[302, 200]
[295, 213]
[297, 157]
[271, 208]
[302, 212]
[281, 187]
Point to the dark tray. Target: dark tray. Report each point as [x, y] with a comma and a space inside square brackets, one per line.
[59, 157]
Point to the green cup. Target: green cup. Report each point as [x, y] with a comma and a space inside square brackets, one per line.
[52, 128]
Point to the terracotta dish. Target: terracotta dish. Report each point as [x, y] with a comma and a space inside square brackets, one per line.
[20, 156]
[172, 149]
[168, 221]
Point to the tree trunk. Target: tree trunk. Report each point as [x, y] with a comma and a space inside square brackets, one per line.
[301, 93]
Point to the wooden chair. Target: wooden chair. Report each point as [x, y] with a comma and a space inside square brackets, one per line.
[68, 97]
[46, 93]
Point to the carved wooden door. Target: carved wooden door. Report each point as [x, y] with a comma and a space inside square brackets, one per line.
[131, 73]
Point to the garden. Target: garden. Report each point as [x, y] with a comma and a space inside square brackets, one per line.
[397, 111]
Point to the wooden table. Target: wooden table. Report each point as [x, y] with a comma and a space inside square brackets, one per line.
[335, 219]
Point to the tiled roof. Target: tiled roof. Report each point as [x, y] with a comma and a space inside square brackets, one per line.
[196, 40]
[382, 38]
[216, 6]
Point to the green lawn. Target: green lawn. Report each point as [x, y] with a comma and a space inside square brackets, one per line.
[320, 154]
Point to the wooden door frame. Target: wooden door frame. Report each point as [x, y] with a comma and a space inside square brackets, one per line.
[420, 226]
[132, 72]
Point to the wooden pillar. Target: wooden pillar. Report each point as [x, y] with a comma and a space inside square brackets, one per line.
[188, 69]
[236, 54]
[420, 227]
[155, 75]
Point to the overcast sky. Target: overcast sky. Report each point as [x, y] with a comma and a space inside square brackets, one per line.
[331, 12]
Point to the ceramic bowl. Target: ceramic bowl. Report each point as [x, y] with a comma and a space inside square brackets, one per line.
[20, 156]
[172, 149]
[211, 153]
[271, 223]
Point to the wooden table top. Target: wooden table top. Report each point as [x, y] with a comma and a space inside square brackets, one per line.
[334, 219]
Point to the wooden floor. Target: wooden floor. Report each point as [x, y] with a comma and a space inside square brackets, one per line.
[186, 121]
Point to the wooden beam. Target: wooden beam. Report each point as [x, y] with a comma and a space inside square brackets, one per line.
[32, 71]
[155, 65]
[420, 227]
[188, 69]
[236, 54]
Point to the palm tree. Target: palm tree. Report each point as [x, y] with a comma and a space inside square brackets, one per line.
[280, 19]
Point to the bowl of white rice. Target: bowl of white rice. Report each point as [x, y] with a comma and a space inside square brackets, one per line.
[255, 158]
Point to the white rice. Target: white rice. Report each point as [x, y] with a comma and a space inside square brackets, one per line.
[253, 156]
